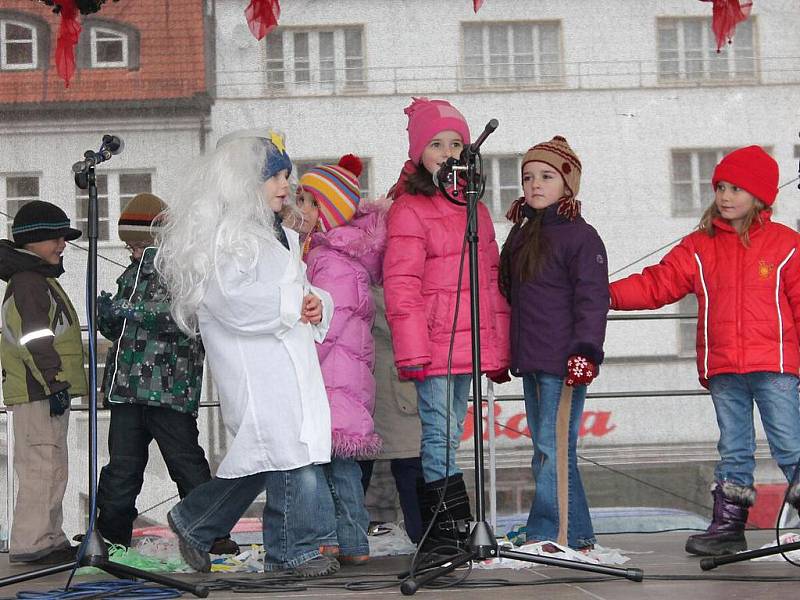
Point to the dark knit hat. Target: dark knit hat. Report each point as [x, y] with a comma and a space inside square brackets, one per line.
[38, 220]
[139, 217]
[751, 169]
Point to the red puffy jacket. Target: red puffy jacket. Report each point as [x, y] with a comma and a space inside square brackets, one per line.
[748, 297]
[420, 281]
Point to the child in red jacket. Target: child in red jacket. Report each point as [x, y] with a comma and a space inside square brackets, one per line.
[745, 271]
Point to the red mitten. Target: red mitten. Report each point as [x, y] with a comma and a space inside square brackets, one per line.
[411, 372]
[500, 376]
[580, 371]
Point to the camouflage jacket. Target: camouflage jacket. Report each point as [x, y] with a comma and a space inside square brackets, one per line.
[151, 362]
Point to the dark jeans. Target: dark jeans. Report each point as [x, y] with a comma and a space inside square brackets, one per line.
[132, 428]
[406, 472]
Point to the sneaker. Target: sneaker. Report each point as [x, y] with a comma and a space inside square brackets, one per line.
[329, 550]
[224, 545]
[319, 566]
[354, 560]
[63, 555]
[197, 559]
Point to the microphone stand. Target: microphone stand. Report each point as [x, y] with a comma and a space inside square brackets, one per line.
[92, 551]
[712, 562]
[482, 543]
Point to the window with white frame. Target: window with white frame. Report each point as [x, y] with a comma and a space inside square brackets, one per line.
[109, 48]
[687, 328]
[687, 52]
[18, 45]
[691, 180]
[16, 190]
[114, 190]
[304, 166]
[502, 183]
[512, 54]
[315, 61]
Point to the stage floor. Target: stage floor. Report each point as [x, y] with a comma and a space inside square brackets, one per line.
[669, 574]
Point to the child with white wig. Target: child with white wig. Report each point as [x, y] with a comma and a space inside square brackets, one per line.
[235, 273]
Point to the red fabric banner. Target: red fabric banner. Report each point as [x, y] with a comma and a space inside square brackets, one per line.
[262, 16]
[69, 30]
[727, 15]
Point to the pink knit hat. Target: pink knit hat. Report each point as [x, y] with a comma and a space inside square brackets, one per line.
[751, 169]
[426, 118]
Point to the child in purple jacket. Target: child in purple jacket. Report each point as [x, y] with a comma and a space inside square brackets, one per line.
[554, 273]
[344, 258]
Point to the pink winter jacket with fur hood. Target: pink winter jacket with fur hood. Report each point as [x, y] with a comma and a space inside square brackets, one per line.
[345, 262]
[420, 282]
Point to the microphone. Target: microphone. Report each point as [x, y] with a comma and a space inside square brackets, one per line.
[444, 176]
[487, 131]
[110, 146]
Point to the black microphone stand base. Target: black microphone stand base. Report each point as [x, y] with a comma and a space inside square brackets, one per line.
[712, 562]
[482, 545]
[96, 555]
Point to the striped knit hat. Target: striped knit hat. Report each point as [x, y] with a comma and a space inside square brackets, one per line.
[335, 187]
[138, 217]
[38, 220]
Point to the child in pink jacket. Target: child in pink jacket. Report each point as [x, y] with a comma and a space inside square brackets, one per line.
[344, 258]
[421, 288]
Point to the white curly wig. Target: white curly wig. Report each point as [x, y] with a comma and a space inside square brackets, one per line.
[218, 210]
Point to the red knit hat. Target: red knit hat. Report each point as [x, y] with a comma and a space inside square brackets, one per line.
[751, 169]
[426, 118]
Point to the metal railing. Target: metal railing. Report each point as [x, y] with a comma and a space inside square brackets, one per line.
[510, 76]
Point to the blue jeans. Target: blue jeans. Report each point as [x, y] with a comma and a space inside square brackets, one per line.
[291, 533]
[433, 415]
[555, 441]
[343, 512]
[779, 406]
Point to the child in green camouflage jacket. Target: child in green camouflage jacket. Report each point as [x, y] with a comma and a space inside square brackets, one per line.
[152, 382]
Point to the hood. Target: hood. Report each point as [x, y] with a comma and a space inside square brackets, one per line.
[723, 225]
[14, 260]
[363, 238]
[399, 188]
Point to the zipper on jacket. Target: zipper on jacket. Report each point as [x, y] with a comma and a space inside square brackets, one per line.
[739, 251]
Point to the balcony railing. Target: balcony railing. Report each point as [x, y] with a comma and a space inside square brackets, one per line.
[455, 78]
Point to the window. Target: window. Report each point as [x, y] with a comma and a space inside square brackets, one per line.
[114, 190]
[303, 166]
[109, 48]
[17, 190]
[687, 328]
[315, 61]
[502, 183]
[691, 180]
[503, 54]
[18, 45]
[687, 51]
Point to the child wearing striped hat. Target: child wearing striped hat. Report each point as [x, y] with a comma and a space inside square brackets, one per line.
[344, 257]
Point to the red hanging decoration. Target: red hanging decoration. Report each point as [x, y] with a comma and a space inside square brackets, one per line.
[727, 15]
[476, 5]
[262, 16]
[69, 30]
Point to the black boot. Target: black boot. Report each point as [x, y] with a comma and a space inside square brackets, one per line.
[451, 525]
[725, 535]
[793, 496]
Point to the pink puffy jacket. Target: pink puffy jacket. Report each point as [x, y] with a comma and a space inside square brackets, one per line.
[346, 262]
[420, 281]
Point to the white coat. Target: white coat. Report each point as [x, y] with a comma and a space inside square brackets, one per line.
[263, 359]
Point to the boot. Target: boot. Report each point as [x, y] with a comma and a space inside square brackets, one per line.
[793, 497]
[451, 525]
[725, 535]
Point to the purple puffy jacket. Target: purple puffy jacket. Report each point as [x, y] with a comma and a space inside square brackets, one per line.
[345, 262]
